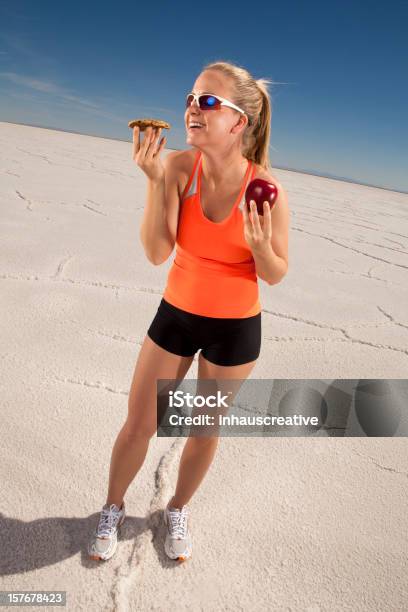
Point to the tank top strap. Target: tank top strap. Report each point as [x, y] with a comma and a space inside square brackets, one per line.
[251, 175]
[191, 187]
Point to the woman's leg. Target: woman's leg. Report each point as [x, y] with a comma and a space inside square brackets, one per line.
[132, 442]
[199, 452]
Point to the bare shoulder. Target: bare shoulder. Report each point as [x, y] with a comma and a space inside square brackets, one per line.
[174, 160]
[182, 163]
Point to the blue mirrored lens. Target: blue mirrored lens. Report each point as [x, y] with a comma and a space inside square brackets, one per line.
[206, 101]
[211, 101]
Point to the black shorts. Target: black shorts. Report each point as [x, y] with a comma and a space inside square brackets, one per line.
[225, 342]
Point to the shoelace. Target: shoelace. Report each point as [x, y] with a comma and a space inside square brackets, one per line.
[107, 522]
[178, 522]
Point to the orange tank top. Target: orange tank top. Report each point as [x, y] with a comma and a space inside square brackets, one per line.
[213, 273]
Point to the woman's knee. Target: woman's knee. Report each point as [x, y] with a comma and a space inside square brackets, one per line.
[141, 418]
[138, 431]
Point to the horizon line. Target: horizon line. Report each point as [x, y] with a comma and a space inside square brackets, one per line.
[300, 171]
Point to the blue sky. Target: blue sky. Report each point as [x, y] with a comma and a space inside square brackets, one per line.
[339, 105]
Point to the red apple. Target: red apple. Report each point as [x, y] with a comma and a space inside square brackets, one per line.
[260, 191]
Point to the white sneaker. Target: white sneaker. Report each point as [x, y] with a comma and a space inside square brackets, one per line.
[104, 541]
[178, 540]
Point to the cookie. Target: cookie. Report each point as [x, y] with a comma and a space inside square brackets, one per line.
[144, 123]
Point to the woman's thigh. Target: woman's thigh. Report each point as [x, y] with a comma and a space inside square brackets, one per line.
[227, 379]
[211, 379]
[153, 363]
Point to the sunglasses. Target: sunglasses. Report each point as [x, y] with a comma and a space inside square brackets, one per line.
[211, 102]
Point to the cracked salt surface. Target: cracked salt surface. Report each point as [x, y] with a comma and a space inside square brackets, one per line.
[78, 295]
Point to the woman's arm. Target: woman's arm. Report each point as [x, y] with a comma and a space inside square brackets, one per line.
[157, 231]
[271, 255]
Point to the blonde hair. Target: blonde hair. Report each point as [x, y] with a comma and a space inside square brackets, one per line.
[253, 97]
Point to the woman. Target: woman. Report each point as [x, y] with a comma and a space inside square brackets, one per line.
[211, 298]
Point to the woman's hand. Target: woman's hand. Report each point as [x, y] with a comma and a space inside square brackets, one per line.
[147, 154]
[257, 228]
